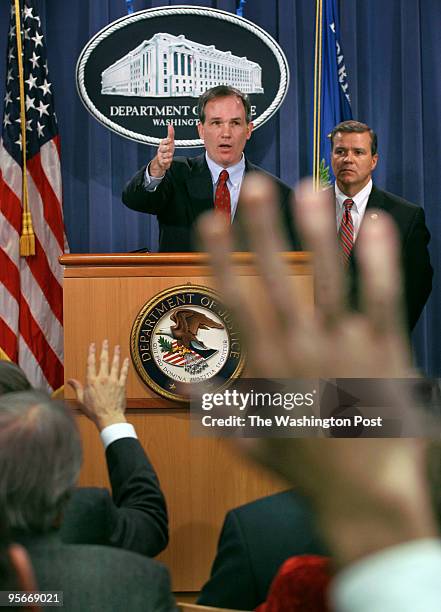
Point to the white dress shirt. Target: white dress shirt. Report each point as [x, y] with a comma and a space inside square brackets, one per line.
[234, 183]
[358, 208]
[151, 182]
[111, 433]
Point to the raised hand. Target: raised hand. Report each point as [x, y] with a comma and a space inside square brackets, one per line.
[368, 493]
[103, 398]
[164, 156]
[295, 342]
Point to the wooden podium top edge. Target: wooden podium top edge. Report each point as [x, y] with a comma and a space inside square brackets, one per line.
[160, 259]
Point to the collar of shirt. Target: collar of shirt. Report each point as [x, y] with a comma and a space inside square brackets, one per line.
[358, 208]
[235, 176]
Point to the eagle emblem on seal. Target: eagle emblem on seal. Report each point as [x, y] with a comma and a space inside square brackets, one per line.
[180, 344]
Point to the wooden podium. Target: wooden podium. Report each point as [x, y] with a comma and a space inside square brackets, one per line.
[201, 477]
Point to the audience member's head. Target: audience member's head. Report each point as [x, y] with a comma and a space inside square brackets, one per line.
[12, 378]
[40, 458]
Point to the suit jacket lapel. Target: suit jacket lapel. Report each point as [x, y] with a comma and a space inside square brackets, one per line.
[249, 167]
[200, 187]
[376, 199]
[240, 236]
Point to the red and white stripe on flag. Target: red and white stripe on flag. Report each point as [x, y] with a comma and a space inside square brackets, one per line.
[31, 296]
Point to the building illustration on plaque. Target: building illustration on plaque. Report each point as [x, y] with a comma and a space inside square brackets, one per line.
[172, 66]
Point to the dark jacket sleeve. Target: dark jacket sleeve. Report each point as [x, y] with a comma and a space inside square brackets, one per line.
[138, 516]
[231, 583]
[287, 207]
[136, 197]
[417, 269]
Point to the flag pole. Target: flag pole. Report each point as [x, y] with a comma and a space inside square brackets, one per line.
[27, 238]
[317, 92]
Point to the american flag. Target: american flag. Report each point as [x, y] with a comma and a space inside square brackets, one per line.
[31, 296]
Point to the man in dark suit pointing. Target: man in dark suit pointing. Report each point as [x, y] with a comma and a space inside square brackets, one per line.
[354, 157]
[179, 189]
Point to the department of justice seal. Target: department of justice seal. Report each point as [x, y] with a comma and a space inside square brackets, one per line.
[184, 336]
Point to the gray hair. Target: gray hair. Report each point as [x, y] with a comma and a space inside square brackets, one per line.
[12, 378]
[40, 459]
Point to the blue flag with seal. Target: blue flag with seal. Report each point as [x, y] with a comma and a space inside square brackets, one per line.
[332, 103]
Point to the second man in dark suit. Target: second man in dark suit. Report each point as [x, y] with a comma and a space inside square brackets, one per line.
[354, 157]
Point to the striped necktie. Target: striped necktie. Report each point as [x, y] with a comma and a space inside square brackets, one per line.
[346, 231]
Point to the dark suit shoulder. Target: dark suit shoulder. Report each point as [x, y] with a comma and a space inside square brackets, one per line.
[387, 200]
[293, 519]
[91, 579]
[246, 563]
[182, 161]
[250, 167]
[285, 194]
[183, 167]
[415, 237]
[85, 517]
[285, 502]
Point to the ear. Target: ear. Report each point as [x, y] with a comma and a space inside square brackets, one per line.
[250, 128]
[374, 161]
[201, 130]
[23, 568]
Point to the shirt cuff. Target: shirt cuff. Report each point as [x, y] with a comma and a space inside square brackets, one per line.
[111, 433]
[151, 182]
[402, 578]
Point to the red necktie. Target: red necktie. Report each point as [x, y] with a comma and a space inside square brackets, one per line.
[222, 200]
[346, 231]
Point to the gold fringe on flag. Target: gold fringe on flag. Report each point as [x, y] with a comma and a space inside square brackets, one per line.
[27, 238]
[3, 355]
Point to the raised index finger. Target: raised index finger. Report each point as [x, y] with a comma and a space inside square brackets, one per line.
[171, 133]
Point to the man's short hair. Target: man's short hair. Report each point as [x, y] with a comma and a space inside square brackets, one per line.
[223, 91]
[351, 126]
[12, 378]
[40, 459]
